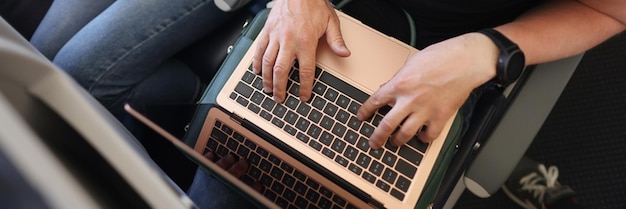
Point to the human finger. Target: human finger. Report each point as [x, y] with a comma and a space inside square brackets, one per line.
[386, 127]
[226, 162]
[379, 99]
[267, 72]
[209, 155]
[306, 72]
[431, 131]
[239, 168]
[281, 70]
[335, 40]
[409, 128]
[261, 46]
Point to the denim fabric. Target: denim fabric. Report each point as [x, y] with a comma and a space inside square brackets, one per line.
[110, 47]
[219, 196]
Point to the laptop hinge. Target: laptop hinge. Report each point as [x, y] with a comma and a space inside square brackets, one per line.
[374, 203]
[238, 119]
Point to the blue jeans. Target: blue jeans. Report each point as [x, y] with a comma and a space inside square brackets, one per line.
[119, 50]
[218, 196]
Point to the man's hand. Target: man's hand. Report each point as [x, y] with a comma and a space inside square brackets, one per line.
[291, 32]
[430, 88]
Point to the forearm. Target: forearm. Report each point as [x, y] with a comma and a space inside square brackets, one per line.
[560, 29]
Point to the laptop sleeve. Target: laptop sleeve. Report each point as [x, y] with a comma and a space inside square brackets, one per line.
[240, 47]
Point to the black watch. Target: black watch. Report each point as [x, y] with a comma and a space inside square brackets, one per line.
[511, 61]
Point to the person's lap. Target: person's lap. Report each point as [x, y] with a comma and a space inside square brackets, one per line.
[110, 47]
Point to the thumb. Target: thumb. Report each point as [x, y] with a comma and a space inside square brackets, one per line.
[335, 39]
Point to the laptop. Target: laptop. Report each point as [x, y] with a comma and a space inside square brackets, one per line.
[316, 154]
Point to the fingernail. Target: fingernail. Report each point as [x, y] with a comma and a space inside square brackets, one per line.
[277, 99]
[304, 98]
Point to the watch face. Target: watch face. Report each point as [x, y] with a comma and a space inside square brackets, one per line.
[515, 66]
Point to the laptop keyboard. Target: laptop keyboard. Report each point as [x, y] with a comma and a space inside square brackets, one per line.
[283, 184]
[328, 124]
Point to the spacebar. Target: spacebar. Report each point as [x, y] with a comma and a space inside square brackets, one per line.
[344, 87]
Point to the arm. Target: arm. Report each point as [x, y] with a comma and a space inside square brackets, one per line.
[561, 29]
[435, 82]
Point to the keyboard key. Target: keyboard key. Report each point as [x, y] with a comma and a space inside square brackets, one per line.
[315, 116]
[354, 107]
[397, 194]
[319, 88]
[302, 124]
[277, 173]
[280, 110]
[406, 169]
[410, 155]
[342, 161]
[318, 103]
[417, 144]
[312, 184]
[382, 185]
[350, 153]
[268, 104]
[289, 195]
[343, 101]
[299, 175]
[330, 109]
[355, 169]
[339, 130]
[403, 183]
[363, 144]
[278, 187]
[325, 192]
[301, 202]
[303, 109]
[312, 195]
[389, 176]
[288, 180]
[278, 122]
[367, 130]
[258, 83]
[329, 153]
[304, 138]
[244, 89]
[314, 131]
[291, 117]
[315, 145]
[218, 135]
[300, 188]
[286, 167]
[376, 168]
[257, 97]
[327, 123]
[354, 123]
[242, 101]
[292, 103]
[252, 107]
[338, 145]
[265, 166]
[376, 153]
[342, 116]
[389, 159]
[248, 77]
[369, 177]
[290, 130]
[346, 88]
[351, 137]
[363, 160]
[326, 138]
[266, 115]
[331, 95]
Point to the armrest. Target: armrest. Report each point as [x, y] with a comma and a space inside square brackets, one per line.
[520, 123]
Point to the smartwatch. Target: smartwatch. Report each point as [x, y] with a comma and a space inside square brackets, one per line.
[511, 61]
